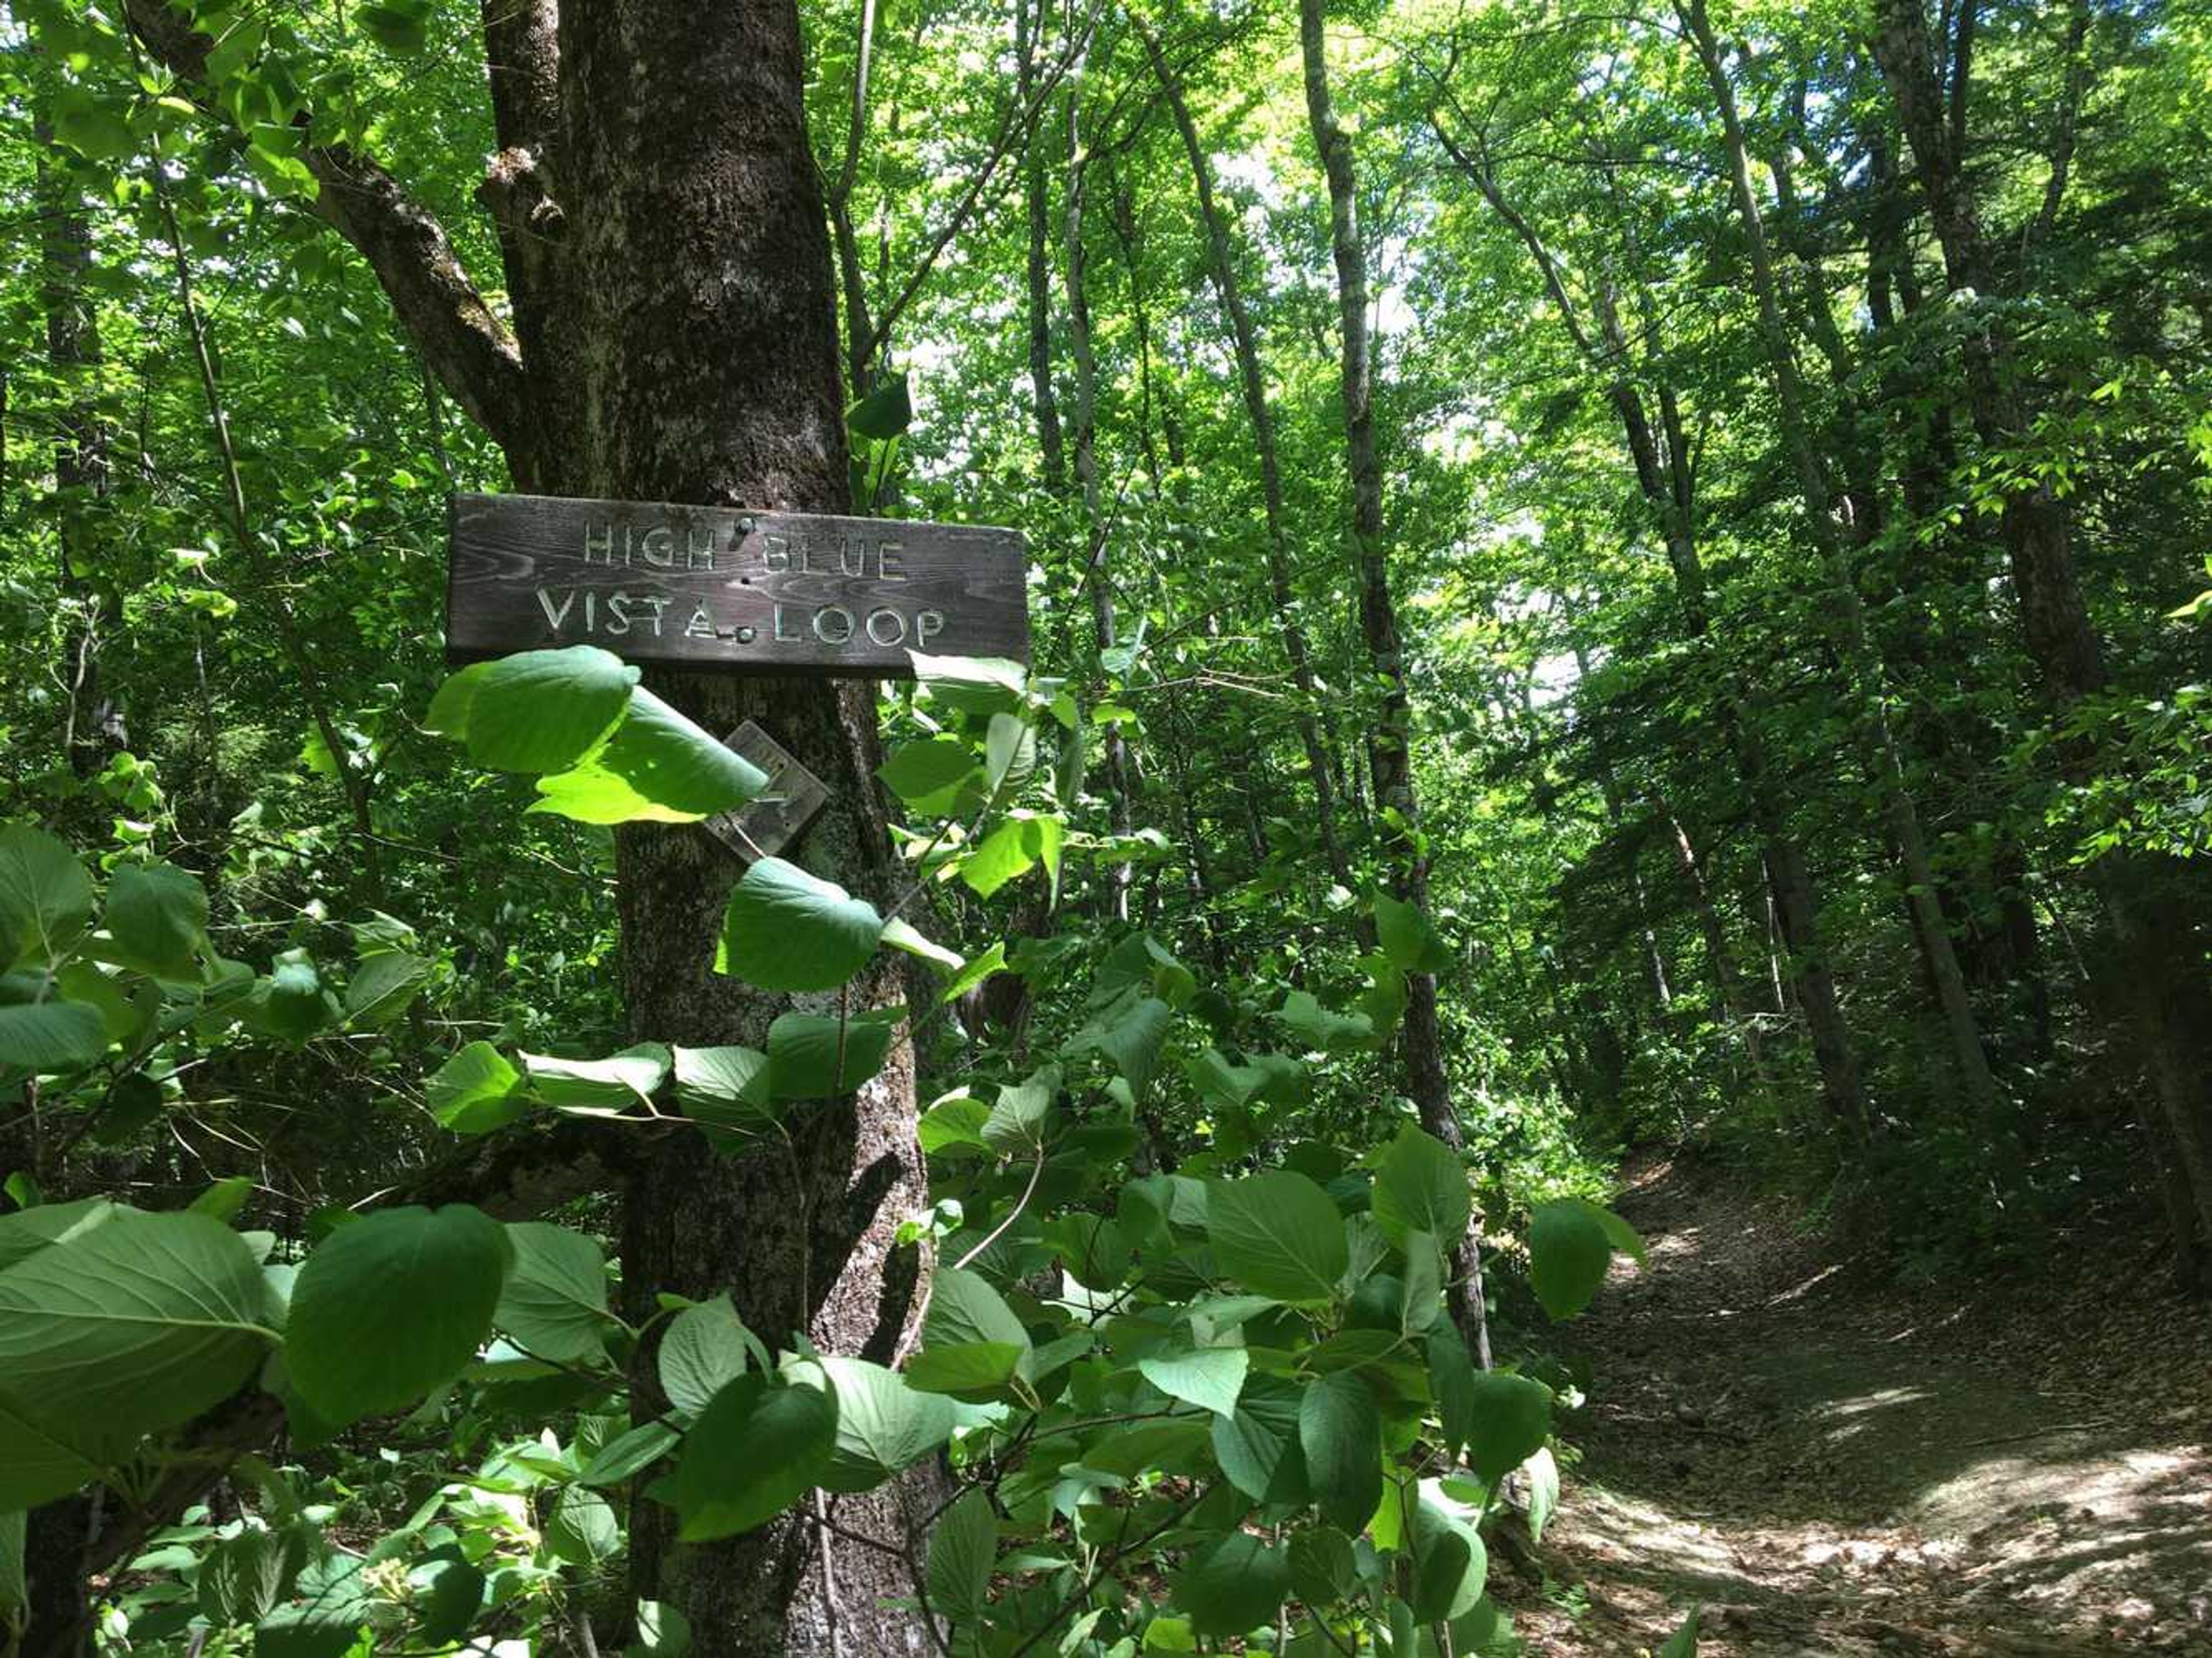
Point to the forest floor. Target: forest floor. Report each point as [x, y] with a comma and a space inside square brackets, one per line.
[1826, 1465]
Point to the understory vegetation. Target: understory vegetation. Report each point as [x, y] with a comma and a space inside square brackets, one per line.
[1595, 579]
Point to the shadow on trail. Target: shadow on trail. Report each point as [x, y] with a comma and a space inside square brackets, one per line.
[1772, 1438]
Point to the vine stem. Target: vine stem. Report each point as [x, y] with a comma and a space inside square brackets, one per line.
[1037, 1171]
[832, 1614]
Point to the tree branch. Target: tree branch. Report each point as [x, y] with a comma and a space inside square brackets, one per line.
[522, 55]
[460, 336]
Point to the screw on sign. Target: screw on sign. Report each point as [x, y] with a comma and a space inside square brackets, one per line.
[745, 592]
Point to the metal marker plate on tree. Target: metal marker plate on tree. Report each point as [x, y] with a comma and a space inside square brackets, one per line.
[717, 587]
[772, 819]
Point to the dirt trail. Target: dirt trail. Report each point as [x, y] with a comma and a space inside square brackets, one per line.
[1829, 1468]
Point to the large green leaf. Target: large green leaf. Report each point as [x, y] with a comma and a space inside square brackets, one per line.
[812, 1056]
[1209, 1377]
[1541, 1473]
[884, 1426]
[1007, 853]
[1340, 1430]
[962, 1547]
[27, 1231]
[1420, 1186]
[1009, 755]
[382, 987]
[786, 929]
[629, 1454]
[157, 915]
[390, 1305]
[955, 1123]
[245, 1578]
[291, 1002]
[1324, 1567]
[973, 685]
[1132, 1041]
[885, 412]
[542, 711]
[901, 934]
[451, 1595]
[1257, 1446]
[1224, 1086]
[1683, 1642]
[123, 1324]
[554, 1304]
[919, 772]
[974, 1370]
[659, 766]
[1407, 937]
[1234, 1584]
[477, 1090]
[582, 1529]
[590, 794]
[662, 1631]
[399, 28]
[1320, 1027]
[703, 1351]
[1508, 1418]
[964, 1308]
[448, 714]
[621, 1082]
[754, 1451]
[94, 127]
[325, 1618]
[677, 764]
[45, 897]
[52, 1036]
[1015, 1124]
[1619, 1233]
[1451, 1380]
[36, 1466]
[1278, 1234]
[724, 1088]
[1451, 1565]
[1568, 1250]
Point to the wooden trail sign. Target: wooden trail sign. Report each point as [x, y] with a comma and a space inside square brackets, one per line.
[723, 588]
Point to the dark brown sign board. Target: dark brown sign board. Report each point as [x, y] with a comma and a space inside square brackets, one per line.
[718, 587]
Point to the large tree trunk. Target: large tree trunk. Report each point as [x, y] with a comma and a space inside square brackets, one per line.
[694, 281]
[1390, 742]
[668, 267]
[696, 274]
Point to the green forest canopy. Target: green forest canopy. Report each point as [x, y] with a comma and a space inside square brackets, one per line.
[1594, 576]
